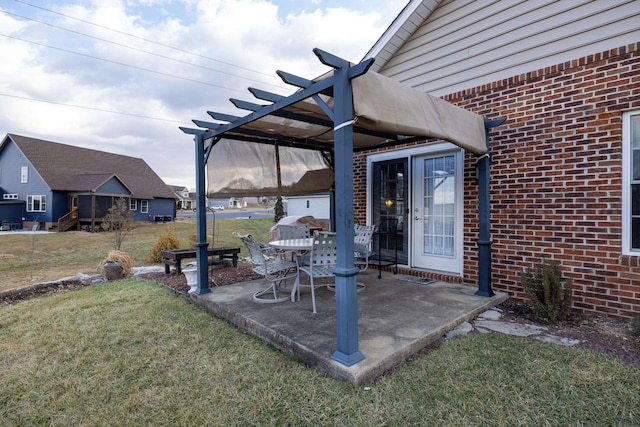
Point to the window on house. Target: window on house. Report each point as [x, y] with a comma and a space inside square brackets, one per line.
[308, 204]
[36, 203]
[24, 174]
[144, 206]
[133, 204]
[631, 182]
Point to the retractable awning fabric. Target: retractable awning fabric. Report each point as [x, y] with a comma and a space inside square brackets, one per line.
[245, 169]
[385, 112]
[386, 105]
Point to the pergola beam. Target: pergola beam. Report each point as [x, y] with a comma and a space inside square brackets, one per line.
[206, 125]
[245, 105]
[316, 87]
[223, 117]
[265, 96]
[294, 80]
[250, 106]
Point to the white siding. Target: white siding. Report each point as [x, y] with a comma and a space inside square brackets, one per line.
[319, 206]
[464, 43]
[407, 22]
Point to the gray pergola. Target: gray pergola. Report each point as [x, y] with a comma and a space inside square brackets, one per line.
[346, 110]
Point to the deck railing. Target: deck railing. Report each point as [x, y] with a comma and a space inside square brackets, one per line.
[68, 221]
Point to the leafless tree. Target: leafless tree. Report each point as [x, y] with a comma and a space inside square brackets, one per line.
[118, 220]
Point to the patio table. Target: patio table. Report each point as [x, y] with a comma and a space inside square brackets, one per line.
[298, 246]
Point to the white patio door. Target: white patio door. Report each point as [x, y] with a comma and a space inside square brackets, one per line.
[437, 212]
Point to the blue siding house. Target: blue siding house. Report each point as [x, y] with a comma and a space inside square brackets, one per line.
[59, 186]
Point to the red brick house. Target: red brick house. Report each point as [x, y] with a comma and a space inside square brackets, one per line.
[565, 172]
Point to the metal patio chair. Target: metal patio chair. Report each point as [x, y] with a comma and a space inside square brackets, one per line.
[322, 260]
[362, 244]
[362, 239]
[293, 231]
[270, 265]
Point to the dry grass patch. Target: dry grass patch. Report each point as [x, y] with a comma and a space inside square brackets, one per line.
[58, 255]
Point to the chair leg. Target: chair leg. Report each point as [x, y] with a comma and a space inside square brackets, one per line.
[313, 294]
[366, 264]
[263, 295]
[257, 297]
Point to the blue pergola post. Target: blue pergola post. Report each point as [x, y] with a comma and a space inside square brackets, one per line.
[484, 233]
[201, 220]
[347, 352]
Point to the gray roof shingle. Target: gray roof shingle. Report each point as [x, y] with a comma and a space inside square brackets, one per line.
[67, 168]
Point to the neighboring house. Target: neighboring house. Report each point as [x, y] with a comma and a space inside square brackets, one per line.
[185, 199]
[315, 205]
[235, 202]
[565, 165]
[316, 202]
[64, 187]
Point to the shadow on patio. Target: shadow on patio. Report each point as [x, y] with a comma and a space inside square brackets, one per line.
[398, 316]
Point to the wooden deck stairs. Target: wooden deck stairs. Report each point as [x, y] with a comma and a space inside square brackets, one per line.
[68, 221]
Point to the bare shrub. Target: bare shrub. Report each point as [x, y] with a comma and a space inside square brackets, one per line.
[118, 220]
[550, 294]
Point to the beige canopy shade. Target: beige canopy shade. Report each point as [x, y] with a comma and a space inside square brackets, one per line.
[386, 112]
[389, 106]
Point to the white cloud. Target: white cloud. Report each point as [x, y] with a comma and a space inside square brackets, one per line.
[251, 34]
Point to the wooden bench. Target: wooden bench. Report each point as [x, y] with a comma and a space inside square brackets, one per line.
[175, 257]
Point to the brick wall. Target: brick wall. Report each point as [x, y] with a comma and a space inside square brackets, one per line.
[556, 178]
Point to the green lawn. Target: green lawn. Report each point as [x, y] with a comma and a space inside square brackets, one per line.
[27, 258]
[133, 353]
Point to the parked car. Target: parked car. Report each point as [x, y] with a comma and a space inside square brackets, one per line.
[217, 207]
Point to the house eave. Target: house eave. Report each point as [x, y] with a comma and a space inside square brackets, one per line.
[399, 32]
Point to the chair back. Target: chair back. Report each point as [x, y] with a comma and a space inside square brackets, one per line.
[294, 231]
[324, 250]
[256, 253]
[363, 237]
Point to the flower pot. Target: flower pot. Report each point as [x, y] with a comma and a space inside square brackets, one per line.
[191, 274]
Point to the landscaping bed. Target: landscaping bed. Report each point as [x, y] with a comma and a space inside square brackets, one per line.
[221, 275]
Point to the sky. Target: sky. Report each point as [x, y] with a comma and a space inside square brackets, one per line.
[122, 75]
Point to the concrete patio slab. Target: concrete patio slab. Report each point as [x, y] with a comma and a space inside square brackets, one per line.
[397, 318]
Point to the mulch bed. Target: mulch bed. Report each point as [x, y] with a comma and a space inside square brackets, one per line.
[221, 275]
[40, 289]
[605, 335]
